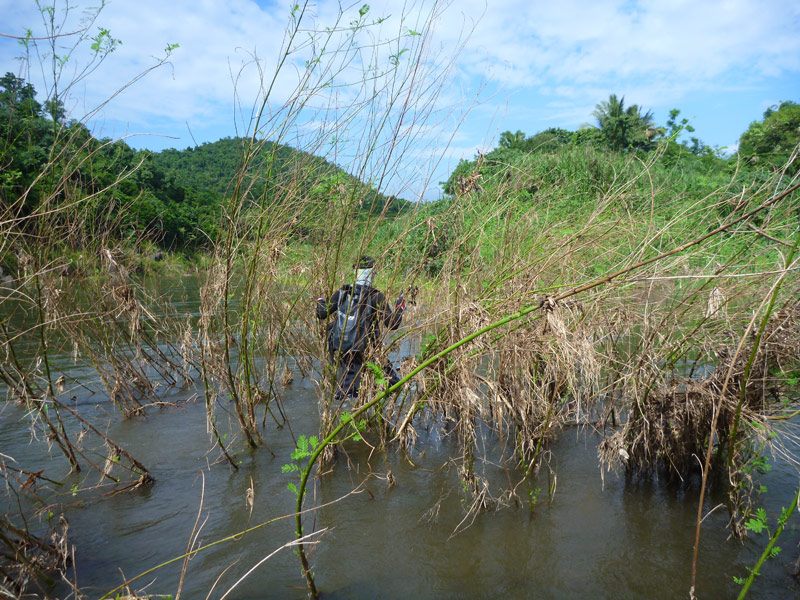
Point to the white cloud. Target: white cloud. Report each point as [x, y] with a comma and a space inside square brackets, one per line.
[588, 42]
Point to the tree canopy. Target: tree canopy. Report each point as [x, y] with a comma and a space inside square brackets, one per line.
[773, 139]
[623, 127]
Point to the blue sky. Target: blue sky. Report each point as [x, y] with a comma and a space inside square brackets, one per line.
[484, 67]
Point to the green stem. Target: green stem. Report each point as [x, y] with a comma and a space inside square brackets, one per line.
[768, 550]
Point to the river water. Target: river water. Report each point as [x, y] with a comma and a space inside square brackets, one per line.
[599, 537]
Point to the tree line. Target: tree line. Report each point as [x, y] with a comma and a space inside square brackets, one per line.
[766, 144]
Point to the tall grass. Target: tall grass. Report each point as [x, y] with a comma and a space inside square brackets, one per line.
[648, 342]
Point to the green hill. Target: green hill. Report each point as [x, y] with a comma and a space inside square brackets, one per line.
[100, 188]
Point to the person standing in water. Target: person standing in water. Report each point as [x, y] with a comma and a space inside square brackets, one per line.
[361, 311]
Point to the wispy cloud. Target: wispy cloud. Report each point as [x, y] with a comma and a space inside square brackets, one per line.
[583, 42]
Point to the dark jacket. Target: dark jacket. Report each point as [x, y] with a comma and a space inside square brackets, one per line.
[378, 310]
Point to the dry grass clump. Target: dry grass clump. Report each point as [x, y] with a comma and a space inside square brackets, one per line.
[669, 428]
[670, 424]
[546, 376]
[27, 561]
[522, 384]
[779, 348]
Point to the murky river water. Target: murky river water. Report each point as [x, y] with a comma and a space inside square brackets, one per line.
[611, 538]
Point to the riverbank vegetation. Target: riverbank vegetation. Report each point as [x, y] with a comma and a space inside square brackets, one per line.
[620, 278]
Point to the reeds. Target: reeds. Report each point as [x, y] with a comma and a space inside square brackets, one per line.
[72, 291]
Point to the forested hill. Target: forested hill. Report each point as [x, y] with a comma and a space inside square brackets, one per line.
[211, 168]
[173, 198]
[275, 175]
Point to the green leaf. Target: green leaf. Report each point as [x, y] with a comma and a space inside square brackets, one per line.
[292, 487]
[380, 378]
[300, 454]
[754, 525]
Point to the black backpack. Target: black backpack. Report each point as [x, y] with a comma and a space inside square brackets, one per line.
[350, 329]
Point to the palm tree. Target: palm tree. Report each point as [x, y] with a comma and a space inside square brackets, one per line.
[644, 127]
[613, 121]
[624, 127]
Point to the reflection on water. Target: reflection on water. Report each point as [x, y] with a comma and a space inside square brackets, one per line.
[599, 538]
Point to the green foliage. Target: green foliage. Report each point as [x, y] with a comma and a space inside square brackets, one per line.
[677, 127]
[428, 341]
[377, 372]
[358, 426]
[103, 42]
[549, 139]
[757, 523]
[304, 449]
[625, 128]
[172, 198]
[25, 138]
[770, 142]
